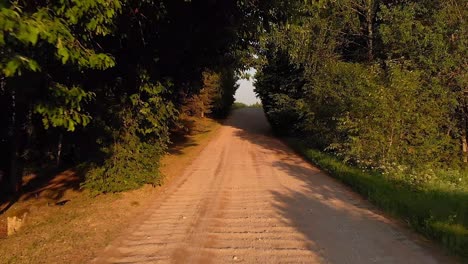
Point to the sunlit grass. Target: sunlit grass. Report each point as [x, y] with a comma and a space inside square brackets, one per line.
[438, 211]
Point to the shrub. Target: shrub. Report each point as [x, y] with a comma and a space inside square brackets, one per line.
[133, 158]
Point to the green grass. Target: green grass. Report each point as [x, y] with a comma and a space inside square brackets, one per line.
[438, 212]
[238, 105]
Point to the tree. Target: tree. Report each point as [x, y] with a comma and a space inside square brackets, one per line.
[37, 41]
[83, 80]
[202, 103]
[381, 80]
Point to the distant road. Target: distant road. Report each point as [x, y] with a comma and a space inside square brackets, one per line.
[248, 198]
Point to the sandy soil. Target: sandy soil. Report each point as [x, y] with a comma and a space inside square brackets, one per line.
[77, 231]
[248, 198]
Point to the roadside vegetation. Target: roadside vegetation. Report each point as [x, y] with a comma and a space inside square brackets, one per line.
[377, 91]
[256, 105]
[435, 209]
[78, 230]
[105, 84]
[93, 95]
[238, 105]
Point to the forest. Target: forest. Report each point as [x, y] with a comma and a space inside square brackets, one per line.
[380, 89]
[104, 83]
[379, 85]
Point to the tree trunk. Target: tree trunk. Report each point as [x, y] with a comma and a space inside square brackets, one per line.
[16, 168]
[370, 30]
[464, 148]
[17, 136]
[59, 149]
[4, 119]
[464, 139]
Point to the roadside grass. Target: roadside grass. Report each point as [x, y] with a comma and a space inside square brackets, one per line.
[440, 212]
[81, 228]
[238, 105]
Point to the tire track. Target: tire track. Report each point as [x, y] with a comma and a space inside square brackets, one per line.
[248, 198]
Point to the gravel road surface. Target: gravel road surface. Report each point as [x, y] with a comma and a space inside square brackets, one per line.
[248, 198]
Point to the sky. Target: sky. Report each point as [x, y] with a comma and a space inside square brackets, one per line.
[245, 93]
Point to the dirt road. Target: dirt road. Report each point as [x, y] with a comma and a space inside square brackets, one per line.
[248, 198]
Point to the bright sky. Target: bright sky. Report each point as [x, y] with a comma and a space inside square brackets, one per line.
[245, 94]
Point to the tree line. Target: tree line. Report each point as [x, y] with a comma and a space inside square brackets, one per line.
[105, 81]
[380, 83]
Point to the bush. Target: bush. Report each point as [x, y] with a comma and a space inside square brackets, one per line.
[238, 105]
[133, 156]
[256, 105]
[131, 164]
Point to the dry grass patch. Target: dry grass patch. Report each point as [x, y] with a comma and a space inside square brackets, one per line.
[80, 228]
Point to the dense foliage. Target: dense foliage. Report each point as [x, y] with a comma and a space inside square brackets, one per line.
[382, 86]
[380, 83]
[103, 82]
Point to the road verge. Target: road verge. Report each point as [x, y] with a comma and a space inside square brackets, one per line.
[76, 231]
[432, 212]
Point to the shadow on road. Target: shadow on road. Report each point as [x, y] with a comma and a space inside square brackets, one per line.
[337, 222]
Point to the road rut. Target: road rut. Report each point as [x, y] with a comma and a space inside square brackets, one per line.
[248, 198]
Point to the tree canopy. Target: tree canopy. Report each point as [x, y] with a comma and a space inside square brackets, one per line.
[381, 84]
[376, 82]
[104, 81]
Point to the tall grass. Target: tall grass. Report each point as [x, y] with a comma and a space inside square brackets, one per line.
[438, 211]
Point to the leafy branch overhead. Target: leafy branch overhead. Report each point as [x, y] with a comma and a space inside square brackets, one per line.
[105, 81]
